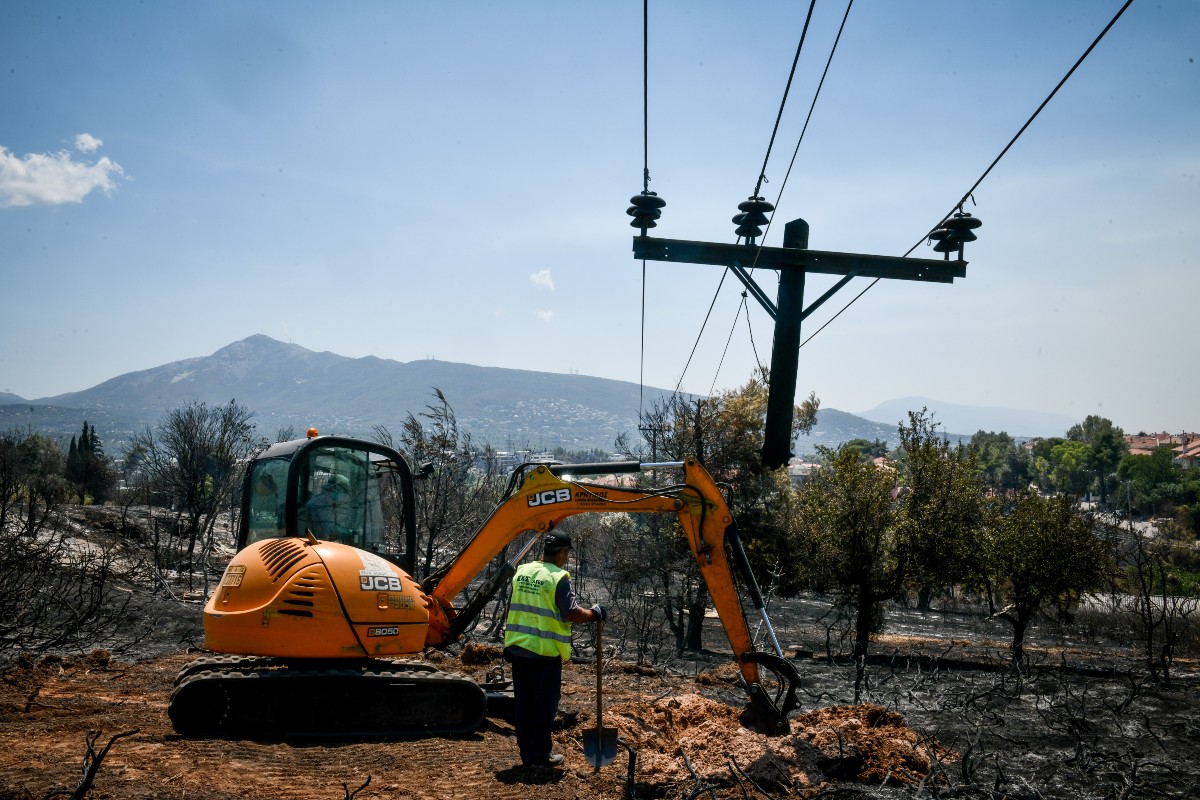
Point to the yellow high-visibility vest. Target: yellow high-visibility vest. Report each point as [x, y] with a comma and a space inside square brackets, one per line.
[534, 622]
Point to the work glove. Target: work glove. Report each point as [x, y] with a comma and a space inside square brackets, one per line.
[600, 612]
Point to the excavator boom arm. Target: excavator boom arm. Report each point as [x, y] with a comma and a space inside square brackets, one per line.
[545, 498]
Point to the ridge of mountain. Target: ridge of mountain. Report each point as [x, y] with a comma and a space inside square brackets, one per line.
[969, 419]
[289, 386]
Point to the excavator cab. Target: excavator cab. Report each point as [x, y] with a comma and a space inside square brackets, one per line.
[340, 490]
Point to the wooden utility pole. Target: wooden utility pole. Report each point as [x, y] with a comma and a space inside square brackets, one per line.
[793, 261]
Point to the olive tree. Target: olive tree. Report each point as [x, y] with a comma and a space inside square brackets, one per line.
[1041, 552]
[853, 545]
[31, 482]
[941, 509]
[725, 434]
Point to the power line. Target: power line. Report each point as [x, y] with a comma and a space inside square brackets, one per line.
[813, 105]
[779, 197]
[753, 346]
[703, 325]
[1029, 121]
[970, 192]
[645, 95]
[843, 308]
[728, 339]
[642, 360]
[762, 175]
[645, 184]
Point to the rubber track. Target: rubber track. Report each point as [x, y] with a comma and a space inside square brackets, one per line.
[239, 697]
[250, 663]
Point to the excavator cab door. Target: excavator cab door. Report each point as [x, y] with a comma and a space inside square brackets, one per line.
[339, 490]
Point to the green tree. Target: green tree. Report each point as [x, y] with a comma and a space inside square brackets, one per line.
[1069, 467]
[1106, 445]
[725, 433]
[1151, 481]
[1003, 464]
[853, 545]
[1041, 551]
[868, 449]
[941, 508]
[89, 471]
[31, 482]
[73, 469]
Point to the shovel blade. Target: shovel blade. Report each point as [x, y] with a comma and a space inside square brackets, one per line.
[600, 746]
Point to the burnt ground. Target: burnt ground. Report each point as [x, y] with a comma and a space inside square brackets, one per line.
[942, 716]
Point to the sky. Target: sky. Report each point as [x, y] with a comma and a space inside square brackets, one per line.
[449, 180]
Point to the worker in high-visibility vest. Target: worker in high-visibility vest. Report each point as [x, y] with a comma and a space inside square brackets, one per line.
[537, 640]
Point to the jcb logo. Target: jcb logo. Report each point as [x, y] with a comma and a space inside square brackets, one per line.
[550, 496]
[379, 583]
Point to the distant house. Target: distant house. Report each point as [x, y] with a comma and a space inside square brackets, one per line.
[502, 462]
[1189, 451]
[1185, 445]
[1143, 444]
[799, 470]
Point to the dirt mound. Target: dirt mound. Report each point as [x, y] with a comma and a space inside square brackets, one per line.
[869, 744]
[863, 744]
[474, 654]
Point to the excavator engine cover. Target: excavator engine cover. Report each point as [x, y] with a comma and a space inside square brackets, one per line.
[311, 630]
[300, 597]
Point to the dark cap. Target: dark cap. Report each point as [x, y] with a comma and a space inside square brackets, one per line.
[557, 541]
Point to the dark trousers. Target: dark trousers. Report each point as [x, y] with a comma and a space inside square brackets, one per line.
[537, 686]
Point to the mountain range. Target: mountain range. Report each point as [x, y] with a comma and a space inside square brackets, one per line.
[288, 386]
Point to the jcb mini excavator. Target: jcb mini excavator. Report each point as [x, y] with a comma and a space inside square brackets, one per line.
[317, 617]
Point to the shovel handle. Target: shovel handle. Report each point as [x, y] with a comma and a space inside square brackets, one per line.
[599, 669]
[599, 695]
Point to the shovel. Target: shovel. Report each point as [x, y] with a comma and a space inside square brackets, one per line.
[599, 745]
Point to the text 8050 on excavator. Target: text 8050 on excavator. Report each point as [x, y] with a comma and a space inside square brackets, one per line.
[316, 617]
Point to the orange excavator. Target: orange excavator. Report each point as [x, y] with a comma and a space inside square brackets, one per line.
[317, 619]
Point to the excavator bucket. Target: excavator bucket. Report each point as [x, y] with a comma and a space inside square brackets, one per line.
[770, 707]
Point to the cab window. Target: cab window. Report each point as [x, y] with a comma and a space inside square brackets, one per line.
[268, 484]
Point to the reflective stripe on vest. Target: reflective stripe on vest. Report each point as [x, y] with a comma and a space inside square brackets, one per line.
[534, 622]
